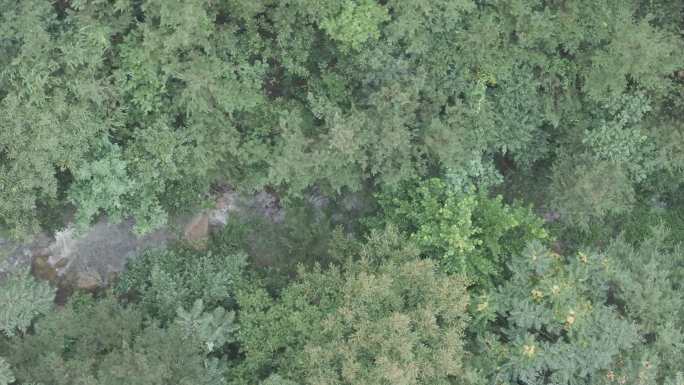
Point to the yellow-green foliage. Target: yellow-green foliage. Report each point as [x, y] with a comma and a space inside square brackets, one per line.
[466, 233]
[376, 320]
[357, 23]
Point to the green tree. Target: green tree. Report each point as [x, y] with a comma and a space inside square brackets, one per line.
[103, 342]
[54, 106]
[101, 186]
[213, 329]
[6, 376]
[22, 299]
[587, 192]
[376, 320]
[466, 233]
[357, 23]
[646, 289]
[558, 325]
[163, 281]
[591, 318]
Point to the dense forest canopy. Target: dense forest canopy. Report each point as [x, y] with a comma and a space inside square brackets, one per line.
[520, 162]
[136, 107]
